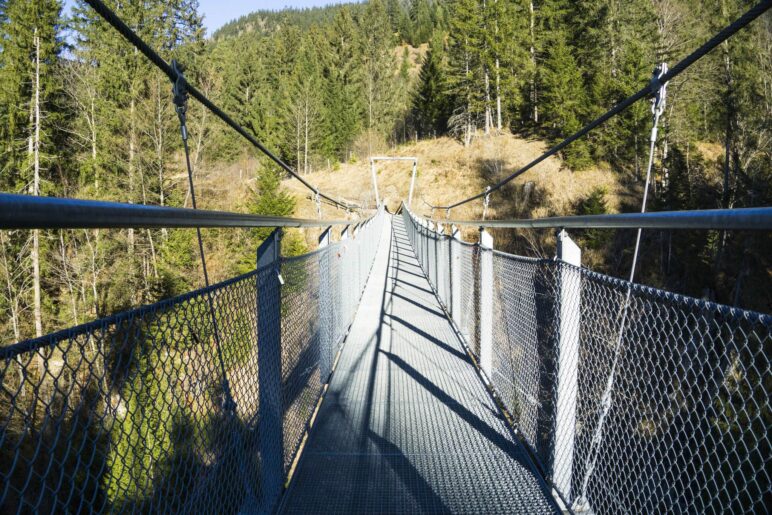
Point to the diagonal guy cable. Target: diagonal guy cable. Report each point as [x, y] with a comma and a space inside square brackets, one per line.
[657, 108]
[644, 92]
[229, 404]
[132, 37]
[181, 105]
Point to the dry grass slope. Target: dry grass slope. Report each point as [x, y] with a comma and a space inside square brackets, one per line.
[448, 171]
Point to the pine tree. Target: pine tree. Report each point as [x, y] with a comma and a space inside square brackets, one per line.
[32, 111]
[303, 104]
[564, 100]
[378, 67]
[269, 198]
[421, 19]
[342, 75]
[465, 68]
[431, 102]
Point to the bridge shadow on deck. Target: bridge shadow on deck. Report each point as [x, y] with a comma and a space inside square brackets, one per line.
[406, 425]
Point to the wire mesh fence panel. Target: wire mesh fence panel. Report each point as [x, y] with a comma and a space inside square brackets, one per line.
[673, 402]
[443, 275]
[301, 381]
[158, 409]
[665, 404]
[670, 408]
[469, 296]
[466, 258]
[127, 413]
[523, 321]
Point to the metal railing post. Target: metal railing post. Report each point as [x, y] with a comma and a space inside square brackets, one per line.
[440, 264]
[568, 362]
[431, 262]
[375, 182]
[357, 263]
[427, 246]
[455, 275]
[412, 185]
[269, 369]
[421, 242]
[325, 308]
[486, 303]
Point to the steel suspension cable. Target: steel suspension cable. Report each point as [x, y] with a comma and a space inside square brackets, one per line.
[132, 37]
[645, 91]
[181, 106]
[657, 108]
[180, 100]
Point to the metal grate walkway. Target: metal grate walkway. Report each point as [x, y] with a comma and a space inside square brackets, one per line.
[407, 425]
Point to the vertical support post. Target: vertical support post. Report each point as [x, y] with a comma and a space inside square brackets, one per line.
[345, 301]
[428, 258]
[356, 247]
[455, 275]
[375, 183]
[486, 302]
[440, 263]
[568, 362]
[424, 244]
[269, 369]
[431, 262]
[412, 184]
[419, 241]
[325, 308]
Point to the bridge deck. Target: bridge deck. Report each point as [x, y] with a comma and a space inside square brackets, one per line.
[406, 425]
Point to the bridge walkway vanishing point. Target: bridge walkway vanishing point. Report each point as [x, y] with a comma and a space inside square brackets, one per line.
[407, 425]
[631, 399]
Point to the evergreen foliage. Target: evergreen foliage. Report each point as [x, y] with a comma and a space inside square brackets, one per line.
[333, 84]
[89, 117]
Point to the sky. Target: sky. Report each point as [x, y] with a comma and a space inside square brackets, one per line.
[219, 12]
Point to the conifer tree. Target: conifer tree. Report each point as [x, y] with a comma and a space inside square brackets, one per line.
[378, 67]
[430, 105]
[342, 74]
[465, 74]
[564, 100]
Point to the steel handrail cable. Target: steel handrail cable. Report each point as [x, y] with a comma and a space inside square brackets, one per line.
[132, 37]
[645, 91]
[32, 212]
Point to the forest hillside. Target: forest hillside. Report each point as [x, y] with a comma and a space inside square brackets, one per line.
[473, 89]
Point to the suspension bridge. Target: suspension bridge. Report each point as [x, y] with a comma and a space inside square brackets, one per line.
[395, 369]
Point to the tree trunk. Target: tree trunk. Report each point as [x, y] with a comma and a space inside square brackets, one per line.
[92, 126]
[13, 297]
[297, 140]
[68, 279]
[498, 96]
[38, 315]
[94, 273]
[159, 148]
[728, 137]
[534, 91]
[488, 115]
[132, 143]
[306, 121]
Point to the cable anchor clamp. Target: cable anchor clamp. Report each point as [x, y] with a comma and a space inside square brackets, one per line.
[658, 90]
[180, 92]
[486, 201]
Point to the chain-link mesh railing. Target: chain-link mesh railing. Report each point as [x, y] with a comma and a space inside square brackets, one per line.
[662, 403]
[454, 275]
[129, 413]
